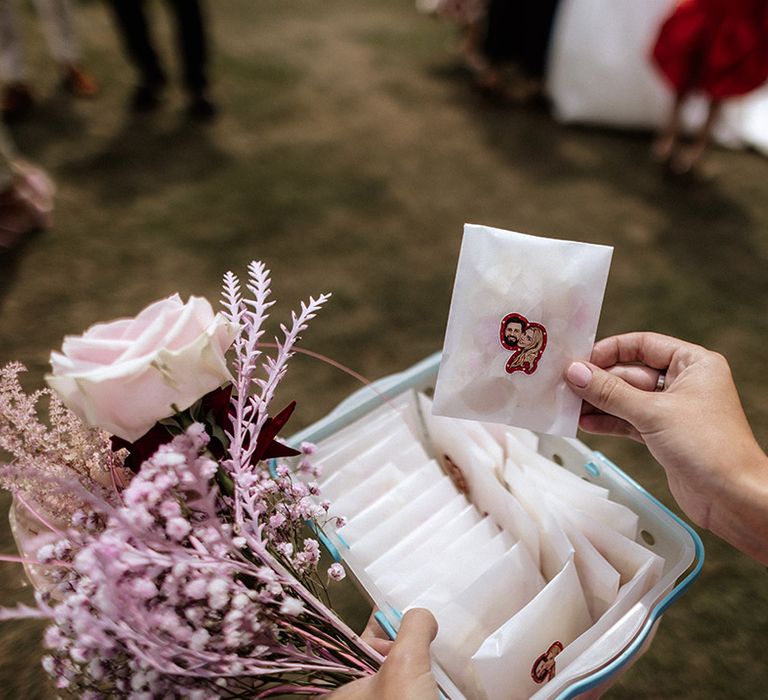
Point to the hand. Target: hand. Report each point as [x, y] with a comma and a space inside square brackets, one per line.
[695, 428]
[406, 673]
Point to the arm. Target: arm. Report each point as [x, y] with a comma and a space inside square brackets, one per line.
[695, 428]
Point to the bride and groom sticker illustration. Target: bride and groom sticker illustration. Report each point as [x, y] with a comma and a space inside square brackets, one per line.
[544, 668]
[525, 339]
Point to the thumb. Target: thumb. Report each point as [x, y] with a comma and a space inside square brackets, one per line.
[411, 648]
[607, 392]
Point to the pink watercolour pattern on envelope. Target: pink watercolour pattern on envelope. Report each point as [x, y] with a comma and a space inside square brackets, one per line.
[525, 339]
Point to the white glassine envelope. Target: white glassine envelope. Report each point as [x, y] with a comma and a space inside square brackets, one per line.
[461, 430]
[555, 547]
[368, 439]
[366, 464]
[388, 577]
[458, 514]
[400, 408]
[390, 502]
[485, 605]
[402, 520]
[520, 656]
[519, 455]
[473, 471]
[357, 499]
[523, 308]
[467, 557]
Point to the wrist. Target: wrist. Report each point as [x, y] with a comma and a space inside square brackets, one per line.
[739, 512]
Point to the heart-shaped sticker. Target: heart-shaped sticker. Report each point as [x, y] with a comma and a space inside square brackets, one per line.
[525, 339]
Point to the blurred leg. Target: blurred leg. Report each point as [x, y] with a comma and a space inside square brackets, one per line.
[666, 141]
[192, 43]
[193, 48]
[690, 159]
[58, 23]
[17, 98]
[137, 40]
[11, 64]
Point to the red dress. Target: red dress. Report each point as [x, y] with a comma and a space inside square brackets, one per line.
[719, 47]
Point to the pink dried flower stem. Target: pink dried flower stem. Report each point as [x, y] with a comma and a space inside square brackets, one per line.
[113, 475]
[337, 650]
[32, 562]
[25, 612]
[163, 653]
[324, 641]
[293, 690]
[36, 515]
[250, 411]
[276, 367]
[315, 606]
[248, 322]
[258, 546]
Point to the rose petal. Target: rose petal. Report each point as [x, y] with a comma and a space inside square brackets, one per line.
[197, 314]
[175, 357]
[112, 330]
[149, 335]
[94, 350]
[155, 311]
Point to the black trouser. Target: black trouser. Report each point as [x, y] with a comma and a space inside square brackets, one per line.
[519, 31]
[190, 36]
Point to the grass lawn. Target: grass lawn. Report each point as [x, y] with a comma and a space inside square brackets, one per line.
[349, 152]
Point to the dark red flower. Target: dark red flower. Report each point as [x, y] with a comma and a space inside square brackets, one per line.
[143, 448]
[215, 409]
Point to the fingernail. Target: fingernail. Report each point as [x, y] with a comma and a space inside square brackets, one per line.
[579, 374]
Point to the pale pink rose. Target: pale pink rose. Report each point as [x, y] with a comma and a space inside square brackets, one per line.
[125, 375]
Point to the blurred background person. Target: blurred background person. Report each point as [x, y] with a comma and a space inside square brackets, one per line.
[58, 24]
[26, 196]
[600, 70]
[718, 48]
[517, 36]
[470, 16]
[192, 45]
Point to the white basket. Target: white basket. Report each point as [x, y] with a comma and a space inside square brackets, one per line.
[661, 530]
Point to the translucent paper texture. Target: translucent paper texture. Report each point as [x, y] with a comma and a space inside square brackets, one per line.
[555, 285]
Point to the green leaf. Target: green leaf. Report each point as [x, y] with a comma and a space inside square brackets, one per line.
[225, 482]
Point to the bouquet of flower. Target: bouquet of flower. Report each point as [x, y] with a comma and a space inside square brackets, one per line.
[162, 523]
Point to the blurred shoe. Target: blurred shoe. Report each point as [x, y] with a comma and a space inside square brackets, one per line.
[17, 103]
[200, 108]
[78, 83]
[145, 98]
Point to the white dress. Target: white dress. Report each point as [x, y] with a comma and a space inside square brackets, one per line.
[600, 72]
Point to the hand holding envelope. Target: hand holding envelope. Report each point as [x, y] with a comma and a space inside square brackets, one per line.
[695, 428]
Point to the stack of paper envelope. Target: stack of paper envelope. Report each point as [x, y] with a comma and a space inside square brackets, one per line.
[523, 563]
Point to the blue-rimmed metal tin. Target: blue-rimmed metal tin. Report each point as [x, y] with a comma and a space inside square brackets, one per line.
[662, 532]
